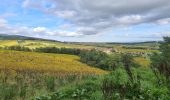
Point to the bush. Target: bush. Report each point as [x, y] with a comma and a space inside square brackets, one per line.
[100, 59]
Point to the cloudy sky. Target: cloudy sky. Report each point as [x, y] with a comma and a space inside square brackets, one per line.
[87, 20]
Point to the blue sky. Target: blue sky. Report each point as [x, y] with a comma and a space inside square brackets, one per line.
[87, 21]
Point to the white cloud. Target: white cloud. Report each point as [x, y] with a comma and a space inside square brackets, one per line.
[103, 16]
[163, 21]
[5, 28]
[65, 14]
[3, 23]
[39, 29]
[28, 3]
[68, 34]
[128, 20]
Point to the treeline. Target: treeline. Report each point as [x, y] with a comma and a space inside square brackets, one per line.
[139, 47]
[46, 50]
[72, 51]
[17, 48]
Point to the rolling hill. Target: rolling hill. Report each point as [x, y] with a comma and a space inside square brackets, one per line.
[59, 64]
[19, 37]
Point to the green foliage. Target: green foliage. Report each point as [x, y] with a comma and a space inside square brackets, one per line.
[114, 83]
[23, 91]
[79, 92]
[100, 59]
[58, 50]
[50, 83]
[18, 48]
[8, 91]
[161, 63]
[117, 86]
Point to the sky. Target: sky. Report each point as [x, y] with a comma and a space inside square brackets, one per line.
[87, 20]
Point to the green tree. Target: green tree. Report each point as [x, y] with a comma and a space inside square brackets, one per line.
[161, 63]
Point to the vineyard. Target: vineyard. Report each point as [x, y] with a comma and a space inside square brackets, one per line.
[45, 63]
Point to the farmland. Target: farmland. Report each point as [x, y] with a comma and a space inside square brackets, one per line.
[24, 75]
[85, 50]
[50, 70]
[46, 63]
[38, 43]
[144, 48]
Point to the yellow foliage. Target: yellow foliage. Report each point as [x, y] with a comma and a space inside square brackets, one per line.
[59, 64]
[142, 61]
[4, 43]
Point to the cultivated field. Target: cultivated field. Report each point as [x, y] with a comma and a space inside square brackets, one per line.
[38, 43]
[46, 63]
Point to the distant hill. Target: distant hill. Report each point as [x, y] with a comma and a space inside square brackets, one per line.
[18, 37]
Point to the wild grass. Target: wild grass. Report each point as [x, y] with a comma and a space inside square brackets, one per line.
[26, 85]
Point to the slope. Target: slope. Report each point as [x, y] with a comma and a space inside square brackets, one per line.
[59, 64]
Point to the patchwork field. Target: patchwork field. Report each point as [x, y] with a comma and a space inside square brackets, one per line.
[59, 76]
[38, 43]
[59, 64]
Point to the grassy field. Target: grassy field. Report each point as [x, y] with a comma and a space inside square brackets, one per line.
[46, 63]
[37, 43]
